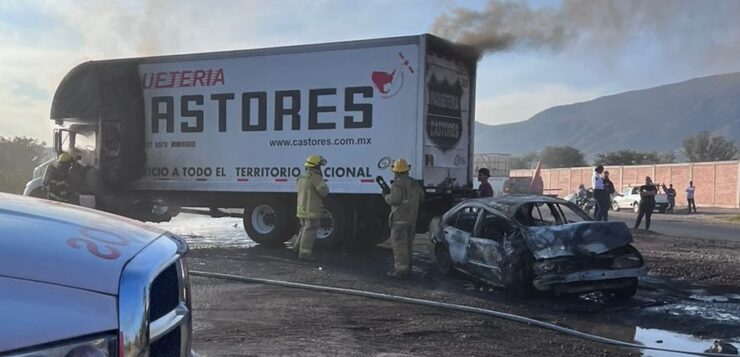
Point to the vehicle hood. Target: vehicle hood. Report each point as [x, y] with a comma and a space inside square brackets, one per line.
[56, 243]
[577, 239]
[36, 313]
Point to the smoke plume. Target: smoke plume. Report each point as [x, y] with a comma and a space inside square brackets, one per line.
[504, 25]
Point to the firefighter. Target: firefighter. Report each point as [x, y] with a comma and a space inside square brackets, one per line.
[311, 190]
[404, 197]
[56, 180]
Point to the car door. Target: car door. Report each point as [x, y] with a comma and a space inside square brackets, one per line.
[625, 199]
[485, 247]
[458, 231]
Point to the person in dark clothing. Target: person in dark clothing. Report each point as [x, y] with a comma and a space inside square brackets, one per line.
[56, 179]
[647, 202]
[485, 189]
[601, 195]
[670, 192]
[609, 188]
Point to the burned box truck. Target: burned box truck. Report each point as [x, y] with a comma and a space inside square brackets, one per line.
[233, 129]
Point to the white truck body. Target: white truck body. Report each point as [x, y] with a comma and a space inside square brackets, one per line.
[358, 106]
[233, 130]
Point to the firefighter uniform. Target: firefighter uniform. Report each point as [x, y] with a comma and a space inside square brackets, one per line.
[56, 179]
[404, 198]
[311, 190]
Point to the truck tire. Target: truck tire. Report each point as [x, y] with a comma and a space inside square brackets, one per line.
[373, 234]
[332, 229]
[269, 221]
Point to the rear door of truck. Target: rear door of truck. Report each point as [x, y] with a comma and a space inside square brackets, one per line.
[449, 106]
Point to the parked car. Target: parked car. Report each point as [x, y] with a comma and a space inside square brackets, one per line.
[79, 282]
[630, 198]
[532, 242]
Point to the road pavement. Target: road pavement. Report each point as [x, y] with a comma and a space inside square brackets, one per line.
[683, 225]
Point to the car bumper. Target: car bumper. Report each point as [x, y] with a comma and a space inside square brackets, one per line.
[602, 279]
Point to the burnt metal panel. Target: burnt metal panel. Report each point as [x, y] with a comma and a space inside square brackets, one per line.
[107, 93]
[577, 239]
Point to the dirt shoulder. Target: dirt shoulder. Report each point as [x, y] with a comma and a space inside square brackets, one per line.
[243, 319]
[709, 263]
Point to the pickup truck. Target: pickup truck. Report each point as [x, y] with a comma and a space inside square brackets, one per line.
[630, 198]
[80, 282]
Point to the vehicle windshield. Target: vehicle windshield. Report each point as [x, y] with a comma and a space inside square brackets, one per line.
[537, 214]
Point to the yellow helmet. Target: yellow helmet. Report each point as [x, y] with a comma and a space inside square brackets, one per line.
[400, 166]
[64, 157]
[315, 161]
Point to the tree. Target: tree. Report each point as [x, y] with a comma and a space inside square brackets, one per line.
[18, 157]
[704, 147]
[561, 156]
[525, 161]
[632, 157]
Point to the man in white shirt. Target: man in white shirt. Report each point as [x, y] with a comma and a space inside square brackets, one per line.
[690, 196]
[601, 195]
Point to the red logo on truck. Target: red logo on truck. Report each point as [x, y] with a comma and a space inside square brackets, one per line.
[388, 82]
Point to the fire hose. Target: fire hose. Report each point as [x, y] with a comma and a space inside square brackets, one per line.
[447, 306]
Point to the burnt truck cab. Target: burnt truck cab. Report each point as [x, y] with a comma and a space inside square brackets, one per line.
[98, 111]
[76, 282]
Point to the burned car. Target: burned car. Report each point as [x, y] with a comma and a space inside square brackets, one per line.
[536, 243]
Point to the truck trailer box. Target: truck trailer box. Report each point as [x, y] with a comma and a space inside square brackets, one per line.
[233, 129]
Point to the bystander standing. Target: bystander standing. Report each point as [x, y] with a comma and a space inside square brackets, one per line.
[690, 196]
[601, 195]
[609, 187]
[670, 192]
[647, 202]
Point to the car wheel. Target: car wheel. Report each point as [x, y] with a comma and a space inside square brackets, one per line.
[636, 207]
[627, 291]
[615, 206]
[443, 259]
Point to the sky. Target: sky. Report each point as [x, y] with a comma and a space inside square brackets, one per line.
[603, 47]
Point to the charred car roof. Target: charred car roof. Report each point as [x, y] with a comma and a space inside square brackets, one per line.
[509, 203]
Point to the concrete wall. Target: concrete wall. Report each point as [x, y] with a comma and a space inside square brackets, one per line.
[716, 183]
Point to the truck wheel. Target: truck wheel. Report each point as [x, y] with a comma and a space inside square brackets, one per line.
[375, 230]
[269, 222]
[332, 228]
[636, 207]
[615, 206]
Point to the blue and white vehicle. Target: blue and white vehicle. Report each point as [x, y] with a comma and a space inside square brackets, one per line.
[80, 282]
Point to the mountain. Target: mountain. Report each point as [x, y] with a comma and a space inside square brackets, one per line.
[654, 119]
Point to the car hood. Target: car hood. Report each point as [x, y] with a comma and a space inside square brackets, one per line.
[67, 245]
[63, 312]
[577, 239]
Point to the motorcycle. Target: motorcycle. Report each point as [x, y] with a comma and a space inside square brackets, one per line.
[586, 202]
